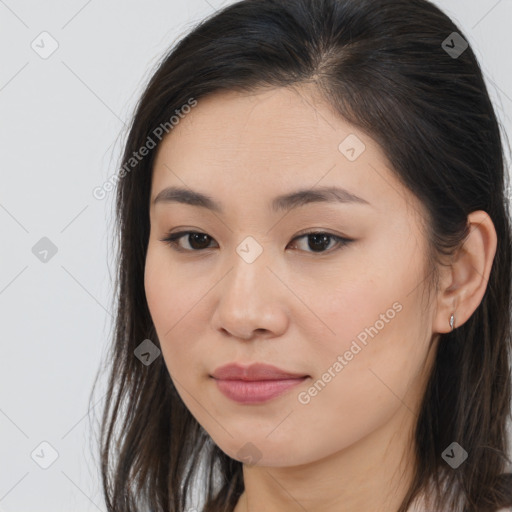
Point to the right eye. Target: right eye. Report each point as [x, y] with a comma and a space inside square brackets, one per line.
[197, 241]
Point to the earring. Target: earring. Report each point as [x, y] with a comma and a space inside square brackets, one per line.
[452, 322]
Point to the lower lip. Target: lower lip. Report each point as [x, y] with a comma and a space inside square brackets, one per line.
[253, 392]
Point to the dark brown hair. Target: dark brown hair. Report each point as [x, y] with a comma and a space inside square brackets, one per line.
[383, 66]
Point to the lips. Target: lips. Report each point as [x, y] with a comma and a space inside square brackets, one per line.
[254, 372]
[256, 383]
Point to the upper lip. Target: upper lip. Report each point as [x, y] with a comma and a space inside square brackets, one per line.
[255, 371]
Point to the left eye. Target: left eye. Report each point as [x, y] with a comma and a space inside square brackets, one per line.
[319, 241]
[198, 241]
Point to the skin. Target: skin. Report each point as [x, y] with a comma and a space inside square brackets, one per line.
[350, 447]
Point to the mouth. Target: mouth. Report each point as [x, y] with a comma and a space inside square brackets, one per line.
[256, 391]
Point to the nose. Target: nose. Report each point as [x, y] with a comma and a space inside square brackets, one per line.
[251, 300]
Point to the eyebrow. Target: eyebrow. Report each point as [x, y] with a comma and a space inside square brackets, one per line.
[280, 203]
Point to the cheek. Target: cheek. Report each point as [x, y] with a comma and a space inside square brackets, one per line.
[170, 293]
[357, 311]
[374, 325]
[175, 298]
[359, 386]
[378, 293]
[158, 288]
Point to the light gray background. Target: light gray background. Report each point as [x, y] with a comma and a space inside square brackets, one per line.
[61, 118]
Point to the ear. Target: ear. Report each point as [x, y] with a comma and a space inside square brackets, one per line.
[464, 281]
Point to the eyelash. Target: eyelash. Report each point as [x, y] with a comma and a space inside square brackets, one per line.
[173, 240]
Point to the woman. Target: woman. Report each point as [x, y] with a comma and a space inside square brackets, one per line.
[313, 297]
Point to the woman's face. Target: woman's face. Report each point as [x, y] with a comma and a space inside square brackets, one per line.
[253, 287]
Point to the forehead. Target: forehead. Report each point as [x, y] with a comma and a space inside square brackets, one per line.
[282, 122]
[271, 141]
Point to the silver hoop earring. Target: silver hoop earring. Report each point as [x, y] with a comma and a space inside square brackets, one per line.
[452, 322]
